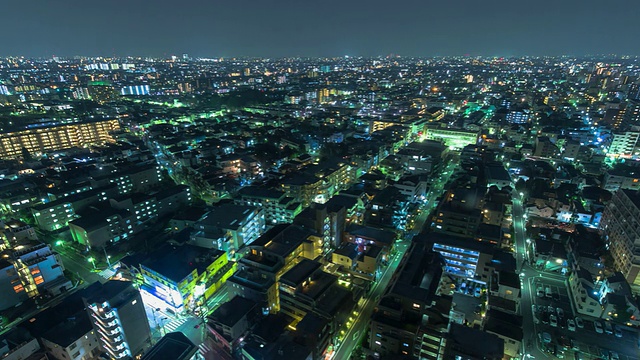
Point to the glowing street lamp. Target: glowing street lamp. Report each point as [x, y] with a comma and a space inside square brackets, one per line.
[59, 242]
[92, 261]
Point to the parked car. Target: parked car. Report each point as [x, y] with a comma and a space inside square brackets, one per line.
[608, 328]
[579, 322]
[547, 292]
[545, 337]
[617, 331]
[553, 320]
[551, 309]
[540, 292]
[598, 327]
[560, 312]
[571, 325]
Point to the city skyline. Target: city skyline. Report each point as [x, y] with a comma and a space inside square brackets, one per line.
[290, 29]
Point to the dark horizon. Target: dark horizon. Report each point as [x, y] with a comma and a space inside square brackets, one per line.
[286, 28]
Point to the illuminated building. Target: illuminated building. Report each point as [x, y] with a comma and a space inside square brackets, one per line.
[454, 139]
[278, 208]
[101, 227]
[137, 178]
[267, 258]
[56, 214]
[631, 117]
[518, 116]
[30, 269]
[101, 92]
[306, 290]
[229, 228]
[625, 145]
[622, 177]
[73, 338]
[118, 316]
[56, 137]
[410, 319]
[135, 90]
[228, 323]
[545, 148]
[184, 277]
[621, 226]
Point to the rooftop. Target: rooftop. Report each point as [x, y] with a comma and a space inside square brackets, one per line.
[227, 216]
[177, 262]
[174, 346]
[232, 311]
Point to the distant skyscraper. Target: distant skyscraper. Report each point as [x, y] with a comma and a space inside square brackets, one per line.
[118, 315]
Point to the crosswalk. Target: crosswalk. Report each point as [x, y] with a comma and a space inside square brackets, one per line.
[107, 273]
[173, 325]
[204, 348]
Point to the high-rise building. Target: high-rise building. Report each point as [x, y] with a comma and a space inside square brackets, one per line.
[621, 225]
[117, 313]
[631, 117]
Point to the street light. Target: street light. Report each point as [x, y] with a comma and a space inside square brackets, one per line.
[59, 242]
[92, 261]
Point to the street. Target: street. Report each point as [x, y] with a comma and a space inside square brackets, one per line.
[353, 335]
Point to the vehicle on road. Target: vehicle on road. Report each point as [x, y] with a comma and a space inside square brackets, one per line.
[579, 322]
[546, 337]
[551, 309]
[560, 312]
[598, 326]
[553, 320]
[571, 325]
[540, 292]
[613, 355]
[547, 292]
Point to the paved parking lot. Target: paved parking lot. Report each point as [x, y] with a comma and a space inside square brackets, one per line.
[585, 341]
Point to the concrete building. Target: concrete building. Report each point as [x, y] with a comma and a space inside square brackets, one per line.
[174, 346]
[267, 258]
[625, 145]
[39, 140]
[229, 228]
[452, 138]
[228, 323]
[29, 269]
[278, 208]
[410, 319]
[621, 226]
[101, 227]
[55, 215]
[116, 310]
[183, 277]
[74, 338]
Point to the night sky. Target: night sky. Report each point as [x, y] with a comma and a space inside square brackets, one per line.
[279, 28]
